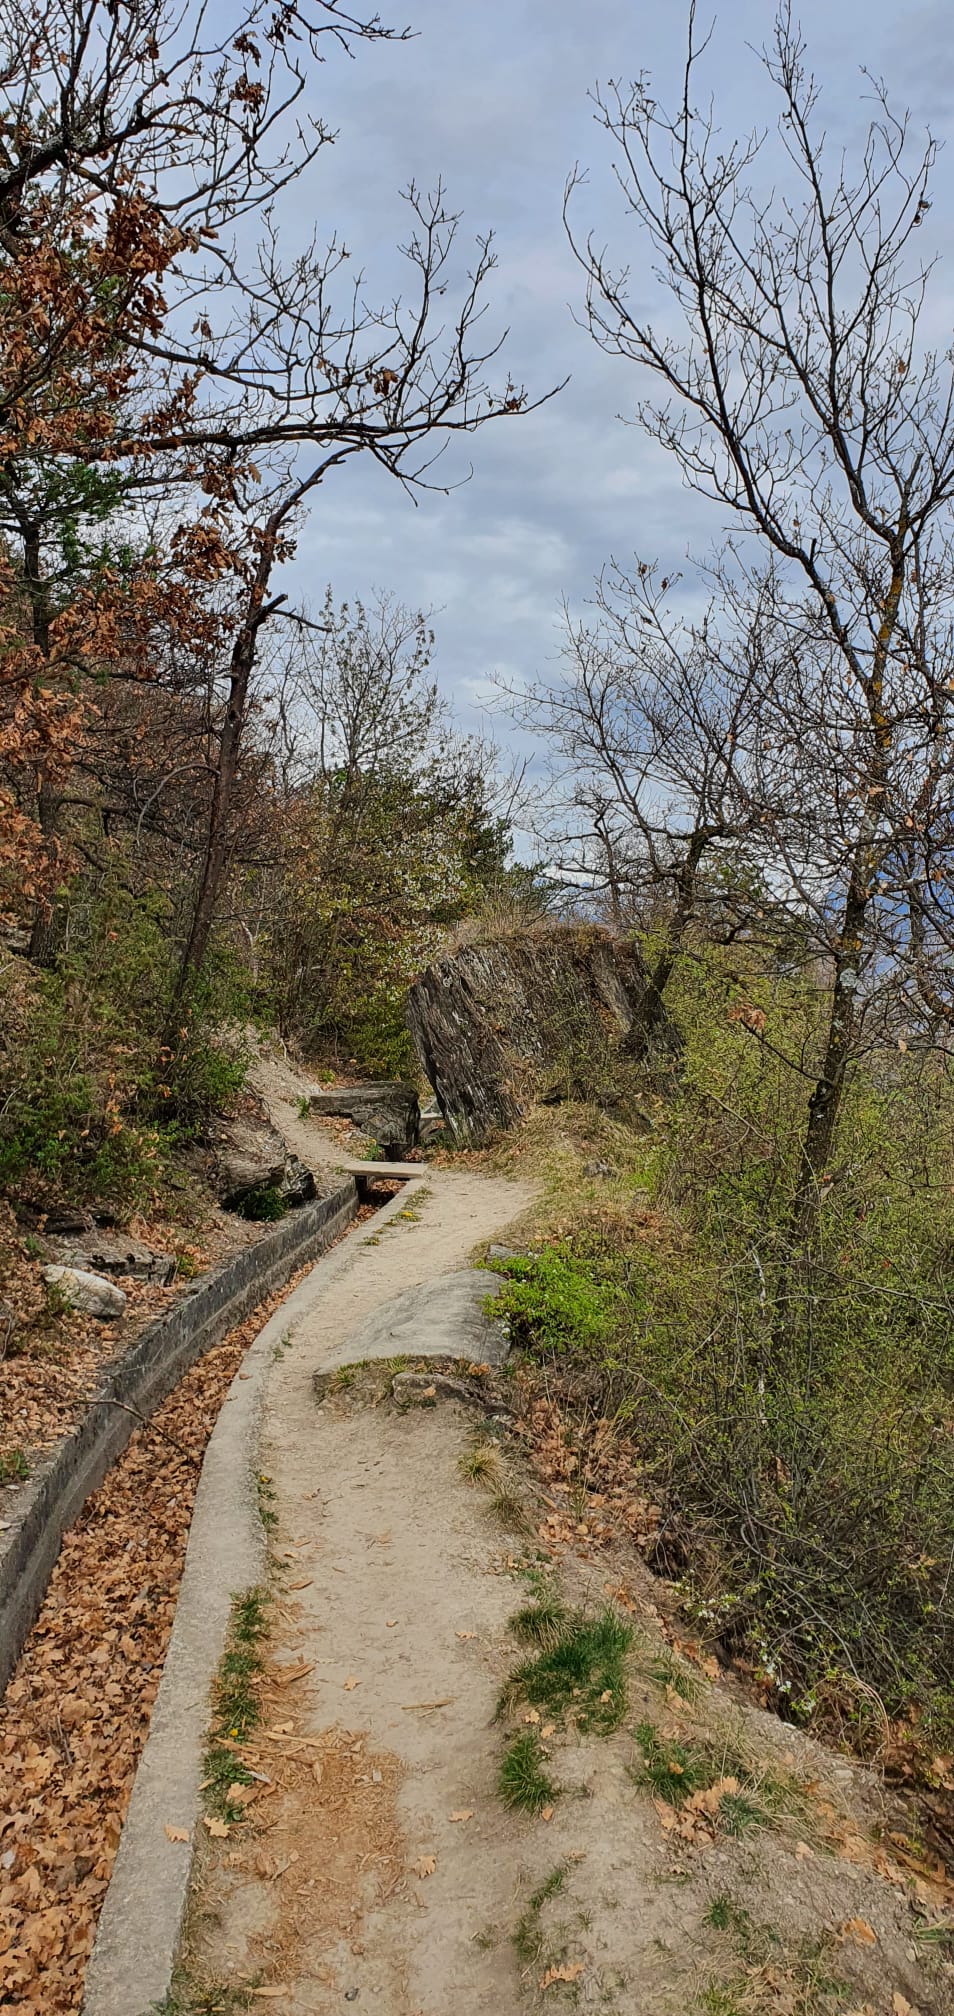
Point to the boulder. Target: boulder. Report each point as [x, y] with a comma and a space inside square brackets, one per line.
[432, 1124]
[251, 1155]
[118, 1253]
[387, 1111]
[89, 1293]
[541, 1014]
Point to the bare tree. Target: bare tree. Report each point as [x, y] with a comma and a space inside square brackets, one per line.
[394, 815]
[409, 378]
[649, 797]
[796, 393]
[360, 694]
[200, 109]
[236, 377]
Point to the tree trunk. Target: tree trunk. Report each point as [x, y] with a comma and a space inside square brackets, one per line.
[215, 860]
[825, 1102]
[652, 1014]
[49, 920]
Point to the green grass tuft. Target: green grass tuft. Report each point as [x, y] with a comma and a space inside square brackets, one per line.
[774, 1974]
[581, 1666]
[236, 1710]
[539, 1622]
[523, 1782]
[671, 1770]
[14, 1468]
[668, 1671]
[674, 1770]
[266, 1494]
[720, 1914]
[529, 1938]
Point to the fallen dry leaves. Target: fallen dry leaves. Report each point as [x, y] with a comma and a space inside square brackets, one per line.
[77, 1709]
[698, 1817]
[323, 1845]
[570, 1970]
[859, 1930]
[601, 1461]
[53, 1360]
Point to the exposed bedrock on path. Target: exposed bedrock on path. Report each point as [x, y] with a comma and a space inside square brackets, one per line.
[445, 1318]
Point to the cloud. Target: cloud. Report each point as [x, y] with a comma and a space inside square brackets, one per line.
[494, 98]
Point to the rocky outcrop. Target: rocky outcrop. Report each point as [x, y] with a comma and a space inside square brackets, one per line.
[388, 1112]
[116, 1253]
[251, 1155]
[533, 1016]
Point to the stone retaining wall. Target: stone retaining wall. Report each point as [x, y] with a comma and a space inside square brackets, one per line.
[141, 1378]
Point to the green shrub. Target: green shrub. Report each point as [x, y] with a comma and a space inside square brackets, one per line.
[581, 1665]
[264, 1205]
[555, 1303]
[791, 1407]
[92, 1100]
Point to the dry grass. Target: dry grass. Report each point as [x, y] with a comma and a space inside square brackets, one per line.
[550, 1150]
[501, 916]
[481, 1464]
[510, 1510]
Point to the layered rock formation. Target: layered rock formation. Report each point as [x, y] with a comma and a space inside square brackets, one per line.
[524, 1017]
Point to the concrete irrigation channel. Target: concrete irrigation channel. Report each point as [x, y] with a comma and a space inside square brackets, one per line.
[132, 1389]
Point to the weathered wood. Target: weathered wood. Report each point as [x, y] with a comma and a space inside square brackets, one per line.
[524, 1017]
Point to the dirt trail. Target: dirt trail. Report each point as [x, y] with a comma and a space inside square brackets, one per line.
[406, 1604]
[381, 1868]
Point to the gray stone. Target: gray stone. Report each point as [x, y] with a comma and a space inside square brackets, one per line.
[432, 1124]
[530, 1015]
[598, 1168]
[252, 1155]
[65, 1219]
[411, 1388]
[89, 1293]
[388, 1111]
[445, 1318]
[298, 1184]
[119, 1253]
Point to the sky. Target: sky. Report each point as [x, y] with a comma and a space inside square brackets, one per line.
[493, 98]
